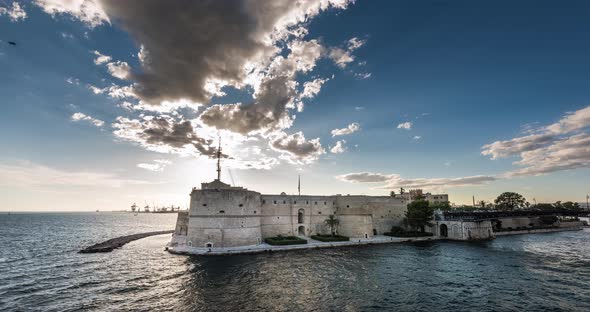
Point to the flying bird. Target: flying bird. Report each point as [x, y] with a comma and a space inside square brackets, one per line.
[12, 43]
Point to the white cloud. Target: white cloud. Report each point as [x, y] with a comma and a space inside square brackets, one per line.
[157, 166]
[88, 11]
[296, 149]
[352, 128]
[562, 145]
[119, 69]
[359, 108]
[14, 13]
[95, 89]
[355, 43]
[417, 137]
[394, 181]
[572, 121]
[405, 125]
[66, 35]
[84, 117]
[342, 57]
[339, 147]
[363, 75]
[312, 88]
[567, 153]
[101, 58]
[73, 81]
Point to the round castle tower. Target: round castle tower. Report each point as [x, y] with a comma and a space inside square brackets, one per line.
[223, 216]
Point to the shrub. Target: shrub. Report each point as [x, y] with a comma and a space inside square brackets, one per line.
[285, 240]
[548, 220]
[397, 229]
[408, 234]
[330, 238]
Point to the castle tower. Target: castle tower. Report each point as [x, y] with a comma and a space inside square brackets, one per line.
[223, 216]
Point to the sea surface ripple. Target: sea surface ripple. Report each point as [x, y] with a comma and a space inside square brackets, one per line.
[40, 270]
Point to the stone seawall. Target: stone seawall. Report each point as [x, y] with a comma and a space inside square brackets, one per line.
[118, 242]
[312, 244]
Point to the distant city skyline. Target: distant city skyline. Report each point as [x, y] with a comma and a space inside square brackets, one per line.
[108, 103]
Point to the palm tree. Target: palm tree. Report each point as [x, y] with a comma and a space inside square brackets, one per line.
[332, 222]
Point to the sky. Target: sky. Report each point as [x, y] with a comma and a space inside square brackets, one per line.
[107, 103]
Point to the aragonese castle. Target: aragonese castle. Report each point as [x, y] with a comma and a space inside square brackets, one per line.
[222, 216]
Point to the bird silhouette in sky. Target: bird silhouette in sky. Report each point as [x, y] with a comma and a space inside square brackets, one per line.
[12, 43]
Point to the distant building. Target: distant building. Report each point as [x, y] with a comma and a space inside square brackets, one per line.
[418, 193]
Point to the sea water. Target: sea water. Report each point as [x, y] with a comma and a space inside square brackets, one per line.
[40, 270]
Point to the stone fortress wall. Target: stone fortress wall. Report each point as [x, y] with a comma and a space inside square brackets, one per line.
[224, 216]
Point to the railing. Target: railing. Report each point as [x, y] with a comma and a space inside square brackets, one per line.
[487, 215]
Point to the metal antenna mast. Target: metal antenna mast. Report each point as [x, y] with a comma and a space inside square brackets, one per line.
[219, 160]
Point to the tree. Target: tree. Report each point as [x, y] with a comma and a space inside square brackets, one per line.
[571, 206]
[444, 206]
[510, 201]
[548, 220]
[392, 193]
[482, 203]
[419, 214]
[332, 222]
[544, 206]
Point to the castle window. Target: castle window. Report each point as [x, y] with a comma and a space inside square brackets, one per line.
[315, 203]
[300, 216]
[241, 205]
[307, 202]
[221, 211]
[274, 202]
[204, 205]
[264, 201]
[295, 202]
[254, 211]
[347, 206]
[325, 203]
[319, 212]
[284, 201]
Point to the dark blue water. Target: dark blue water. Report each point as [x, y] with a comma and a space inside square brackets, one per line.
[41, 271]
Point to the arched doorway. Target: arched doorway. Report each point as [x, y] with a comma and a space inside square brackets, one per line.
[300, 215]
[444, 231]
[301, 230]
[374, 231]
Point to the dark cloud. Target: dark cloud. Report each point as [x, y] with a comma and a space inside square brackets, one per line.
[394, 181]
[163, 134]
[267, 111]
[185, 44]
[296, 148]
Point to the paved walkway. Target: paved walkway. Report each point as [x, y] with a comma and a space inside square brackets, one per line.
[311, 243]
